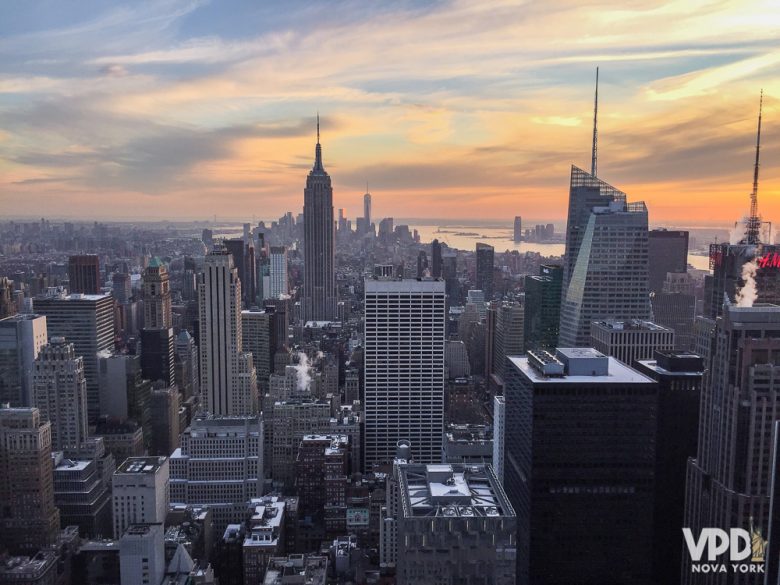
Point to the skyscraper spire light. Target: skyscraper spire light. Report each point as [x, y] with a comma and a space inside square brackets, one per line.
[594, 153]
[753, 223]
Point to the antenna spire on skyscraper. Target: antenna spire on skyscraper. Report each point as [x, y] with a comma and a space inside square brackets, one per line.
[318, 127]
[594, 153]
[753, 224]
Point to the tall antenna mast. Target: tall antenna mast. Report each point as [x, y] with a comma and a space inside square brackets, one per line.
[753, 227]
[594, 154]
[318, 127]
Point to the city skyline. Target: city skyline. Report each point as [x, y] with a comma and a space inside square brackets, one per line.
[448, 107]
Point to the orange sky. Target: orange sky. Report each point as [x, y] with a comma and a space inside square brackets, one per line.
[452, 109]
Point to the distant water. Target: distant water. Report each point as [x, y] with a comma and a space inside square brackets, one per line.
[465, 237]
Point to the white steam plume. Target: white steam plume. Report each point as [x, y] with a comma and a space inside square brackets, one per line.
[748, 294]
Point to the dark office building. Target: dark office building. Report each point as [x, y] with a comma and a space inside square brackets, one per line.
[436, 260]
[543, 307]
[244, 261]
[679, 376]
[578, 467]
[668, 252]
[84, 274]
[157, 355]
[676, 311]
[518, 229]
[484, 283]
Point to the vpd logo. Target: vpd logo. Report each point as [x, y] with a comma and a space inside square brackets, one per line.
[720, 551]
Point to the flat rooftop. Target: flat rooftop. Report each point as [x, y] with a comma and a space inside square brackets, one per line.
[408, 285]
[141, 465]
[629, 325]
[452, 490]
[618, 372]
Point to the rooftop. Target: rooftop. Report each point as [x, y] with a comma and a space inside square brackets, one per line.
[617, 371]
[144, 465]
[630, 325]
[297, 570]
[380, 285]
[452, 490]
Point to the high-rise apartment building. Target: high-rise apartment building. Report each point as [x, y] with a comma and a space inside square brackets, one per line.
[220, 465]
[484, 276]
[60, 393]
[579, 466]
[543, 307]
[140, 492]
[28, 518]
[630, 340]
[728, 483]
[278, 272]
[21, 338]
[86, 321]
[404, 368]
[225, 374]
[506, 331]
[84, 274]
[454, 521]
[667, 252]
[606, 263]
[319, 299]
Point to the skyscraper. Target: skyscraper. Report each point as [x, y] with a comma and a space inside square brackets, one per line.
[28, 518]
[86, 321]
[436, 260]
[60, 393]
[367, 210]
[606, 263]
[543, 307]
[404, 368]
[319, 299]
[278, 272]
[579, 466]
[667, 252]
[222, 368]
[485, 254]
[21, 338]
[244, 261]
[729, 481]
[157, 296]
[84, 274]
[518, 229]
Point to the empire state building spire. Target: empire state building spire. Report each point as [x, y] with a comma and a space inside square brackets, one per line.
[318, 151]
[319, 299]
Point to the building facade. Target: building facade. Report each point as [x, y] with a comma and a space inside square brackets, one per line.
[403, 368]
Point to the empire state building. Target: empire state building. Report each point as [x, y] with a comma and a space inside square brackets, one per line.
[319, 237]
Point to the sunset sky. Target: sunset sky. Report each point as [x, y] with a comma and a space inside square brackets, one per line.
[447, 109]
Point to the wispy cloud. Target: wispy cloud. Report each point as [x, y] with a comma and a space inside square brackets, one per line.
[433, 103]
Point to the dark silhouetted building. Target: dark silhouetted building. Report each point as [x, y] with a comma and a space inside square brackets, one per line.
[578, 467]
[84, 274]
[543, 307]
[667, 252]
[485, 256]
